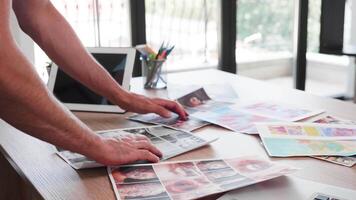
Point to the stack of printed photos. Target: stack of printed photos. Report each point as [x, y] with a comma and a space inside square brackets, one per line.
[170, 142]
[191, 179]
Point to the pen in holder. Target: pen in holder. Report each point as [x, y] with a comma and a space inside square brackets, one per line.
[154, 74]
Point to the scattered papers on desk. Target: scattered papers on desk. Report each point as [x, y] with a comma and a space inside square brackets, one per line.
[174, 122]
[232, 119]
[191, 179]
[279, 111]
[169, 141]
[243, 118]
[307, 139]
[348, 161]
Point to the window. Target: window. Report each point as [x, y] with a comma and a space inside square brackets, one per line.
[96, 22]
[264, 29]
[189, 25]
[327, 75]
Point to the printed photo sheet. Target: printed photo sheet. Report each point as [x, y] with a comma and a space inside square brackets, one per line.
[174, 122]
[200, 101]
[191, 179]
[307, 131]
[169, 141]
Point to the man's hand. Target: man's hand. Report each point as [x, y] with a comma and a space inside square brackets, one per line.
[140, 104]
[125, 151]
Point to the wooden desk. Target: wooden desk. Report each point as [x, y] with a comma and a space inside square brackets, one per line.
[30, 169]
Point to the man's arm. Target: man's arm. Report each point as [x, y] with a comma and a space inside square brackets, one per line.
[51, 31]
[26, 104]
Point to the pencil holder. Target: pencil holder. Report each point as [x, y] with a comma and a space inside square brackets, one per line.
[154, 74]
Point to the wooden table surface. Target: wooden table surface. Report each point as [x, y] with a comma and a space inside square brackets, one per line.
[30, 169]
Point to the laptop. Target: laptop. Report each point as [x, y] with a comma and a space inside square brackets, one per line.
[291, 188]
[117, 61]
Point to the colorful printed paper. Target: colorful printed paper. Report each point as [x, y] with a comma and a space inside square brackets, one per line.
[191, 179]
[243, 119]
[174, 122]
[169, 141]
[279, 111]
[308, 131]
[233, 119]
[286, 147]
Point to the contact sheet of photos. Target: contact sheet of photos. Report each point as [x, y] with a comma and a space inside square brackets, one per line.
[170, 142]
[191, 179]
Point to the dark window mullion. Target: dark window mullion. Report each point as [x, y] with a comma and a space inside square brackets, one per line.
[300, 67]
[138, 29]
[227, 36]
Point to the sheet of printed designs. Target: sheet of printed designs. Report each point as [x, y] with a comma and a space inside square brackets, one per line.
[232, 119]
[307, 139]
[191, 179]
[175, 122]
[279, 111]
[286, 147]
[169, 141]
[308, 131]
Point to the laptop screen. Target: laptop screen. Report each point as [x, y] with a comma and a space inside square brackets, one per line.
[68, 90]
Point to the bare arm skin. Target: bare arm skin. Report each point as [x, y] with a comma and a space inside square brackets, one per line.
[26, 104]
[40, 20]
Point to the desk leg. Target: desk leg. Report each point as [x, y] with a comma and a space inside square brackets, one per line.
[12, 186]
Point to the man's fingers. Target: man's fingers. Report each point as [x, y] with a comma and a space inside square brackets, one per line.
[173, 106]
[142, 137]
[161, 111]
[147, 146]
[146, 155]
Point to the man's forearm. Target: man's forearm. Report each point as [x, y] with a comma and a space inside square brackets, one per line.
[51, 31]
[26, 104]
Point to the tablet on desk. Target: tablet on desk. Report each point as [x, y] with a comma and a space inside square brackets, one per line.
[118, 62]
